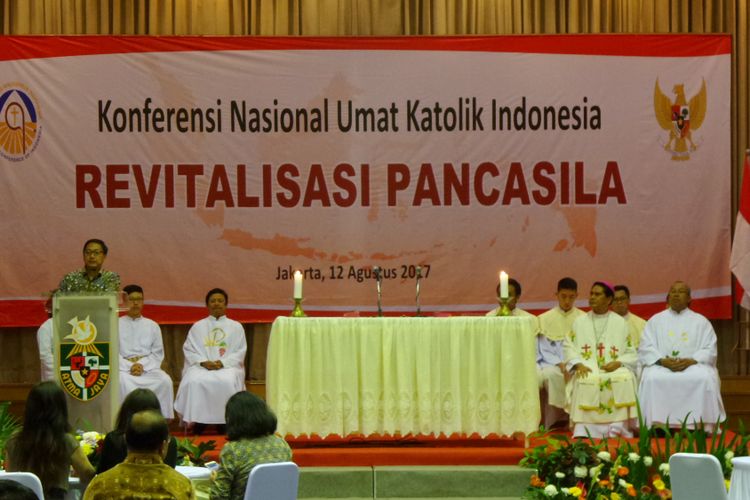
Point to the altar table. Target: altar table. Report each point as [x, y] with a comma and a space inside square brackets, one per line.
[403, 375]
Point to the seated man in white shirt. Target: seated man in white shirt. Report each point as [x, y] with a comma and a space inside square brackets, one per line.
[621, 305]
[141, 354]
[679, 380]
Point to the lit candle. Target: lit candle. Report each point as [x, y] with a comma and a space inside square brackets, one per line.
[298, 284]
[503, 285]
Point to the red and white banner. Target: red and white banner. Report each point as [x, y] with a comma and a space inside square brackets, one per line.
[740, 259]
[230, 161]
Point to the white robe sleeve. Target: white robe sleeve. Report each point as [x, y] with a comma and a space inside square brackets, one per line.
[648, 349]
[705, 352]
[236, 347]
[571, 352]
[152, 361]
[629, 356]
[46, 350]
[193, 347]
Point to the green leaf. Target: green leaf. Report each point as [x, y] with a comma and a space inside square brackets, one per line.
[8, 425]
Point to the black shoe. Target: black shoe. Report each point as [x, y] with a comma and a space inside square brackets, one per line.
[658, 432]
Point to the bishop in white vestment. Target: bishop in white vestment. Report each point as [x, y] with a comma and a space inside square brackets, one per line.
[678, 353]
[601, 396]
[214, 364]
[141, 354]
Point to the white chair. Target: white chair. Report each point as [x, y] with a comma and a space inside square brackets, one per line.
[28, 479]
[275, 481]
[740, 487]
[696, 476]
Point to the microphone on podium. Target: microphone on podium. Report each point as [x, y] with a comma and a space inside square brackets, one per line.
[378, 279]
[419, 277]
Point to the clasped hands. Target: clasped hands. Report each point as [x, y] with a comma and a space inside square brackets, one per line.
[212, 365]
[582, 371]
[677, 364]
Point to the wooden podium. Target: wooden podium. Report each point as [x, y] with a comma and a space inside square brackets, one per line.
[86, 352]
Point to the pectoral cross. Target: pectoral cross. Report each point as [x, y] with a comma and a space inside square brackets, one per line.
[600, 348]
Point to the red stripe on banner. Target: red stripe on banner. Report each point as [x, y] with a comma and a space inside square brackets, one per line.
[685, 45]
[30, 313]
[745, 191]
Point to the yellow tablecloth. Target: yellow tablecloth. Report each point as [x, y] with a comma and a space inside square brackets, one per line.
[403, 375]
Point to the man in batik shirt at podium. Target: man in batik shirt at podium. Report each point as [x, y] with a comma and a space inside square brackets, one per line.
[92, 278]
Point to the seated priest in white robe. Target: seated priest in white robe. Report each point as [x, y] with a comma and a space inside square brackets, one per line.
[678, 353]
[45, 343]
[514, 294]
[214, 364]
[621, 305]
[141, 354]
[601, 395]
[554, 325]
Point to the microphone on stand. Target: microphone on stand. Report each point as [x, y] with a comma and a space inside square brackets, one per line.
[419, 277]
[378, 279]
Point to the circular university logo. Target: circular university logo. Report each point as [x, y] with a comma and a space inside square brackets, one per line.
[20, 129]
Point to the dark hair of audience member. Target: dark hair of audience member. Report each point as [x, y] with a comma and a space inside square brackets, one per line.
[623, 288]
[248, 417]
[11, 490]
[217, 290]
[146, 432]
[41, 444]
[139, 400]
[132, 288]
[567, 284]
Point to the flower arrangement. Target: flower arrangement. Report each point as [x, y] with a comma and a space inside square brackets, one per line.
[190, 452]
[587, 469]
[91, 442]
[8, 425]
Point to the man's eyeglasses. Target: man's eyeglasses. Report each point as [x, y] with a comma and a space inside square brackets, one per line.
[94, 253]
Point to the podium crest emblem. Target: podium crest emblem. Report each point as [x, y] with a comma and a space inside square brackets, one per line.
[84, 363]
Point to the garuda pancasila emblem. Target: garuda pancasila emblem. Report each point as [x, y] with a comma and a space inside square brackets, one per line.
[680, 118]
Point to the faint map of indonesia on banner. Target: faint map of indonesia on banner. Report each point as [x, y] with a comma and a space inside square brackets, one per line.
[596, 157]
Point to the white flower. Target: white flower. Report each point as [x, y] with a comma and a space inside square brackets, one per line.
[647, 461]
[604, 456]
[580, 471]
[633, 457]
[729, 455]
[664, 468]
[91, 438]
[565, 490]
[559, 475]
[550, 490]
[623, 483]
